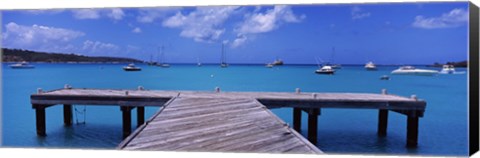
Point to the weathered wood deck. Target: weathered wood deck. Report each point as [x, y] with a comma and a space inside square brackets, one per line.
[311, 103]
[219, 124]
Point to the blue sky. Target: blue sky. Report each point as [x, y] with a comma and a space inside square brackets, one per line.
[385, 33]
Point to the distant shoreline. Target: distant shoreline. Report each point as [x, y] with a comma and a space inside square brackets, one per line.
[18, 55]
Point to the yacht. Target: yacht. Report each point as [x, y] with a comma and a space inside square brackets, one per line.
[410, 70]
[131, 67]
[269, 65]
[277, 62]
[325, 70]
[22, 65]
[447, 69]
[370, 66]
[450, 69]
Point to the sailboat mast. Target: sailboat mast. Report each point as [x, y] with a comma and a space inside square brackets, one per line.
[162, 59]
[158, 54]
[333, 55]
[223, 55]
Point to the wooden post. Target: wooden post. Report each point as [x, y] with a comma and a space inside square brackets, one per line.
[297, 119]
[412, 131]
[140, 115]
[382, 122]
[40, 116]
[126, 120]
[67, 114]
[312, 125]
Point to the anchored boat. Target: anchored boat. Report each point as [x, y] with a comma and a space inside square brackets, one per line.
[131, 67]
[370, 66]
[22, 65]
[410, 70]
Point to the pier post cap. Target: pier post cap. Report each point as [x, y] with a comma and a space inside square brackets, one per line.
[67, 86]
[217, 89]
[297, 90]
[39, 91]
[413, 96]
[126, 92]
[140, 88]
[384, 91]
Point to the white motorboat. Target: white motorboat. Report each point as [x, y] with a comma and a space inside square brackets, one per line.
[277, 62]
[370, 66]
[325, 70]
[269, 65]
[131, 67]
[448, 69]
[22, 65]
[410, 70]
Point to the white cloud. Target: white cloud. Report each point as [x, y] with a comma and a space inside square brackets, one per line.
[266, 22]
[358, 13]
[37, 36]
[86, 13]
[454, 18]
[148, 15]
[240, 40]
[205, 24]
[99, 48]
[115, 14]
[259, 22]
[137, 30]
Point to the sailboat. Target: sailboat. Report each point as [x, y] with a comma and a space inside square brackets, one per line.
[333, 65]
[199, 64]
[223, 62]
[325, 69]
[162, 63]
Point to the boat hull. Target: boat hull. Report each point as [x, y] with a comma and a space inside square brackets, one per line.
[325, 72]
[415, 72]
[22, 67]
[132, 69]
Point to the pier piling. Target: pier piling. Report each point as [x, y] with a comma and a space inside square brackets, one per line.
[297, 119]
[126, 120]
[40, 116]
[412, 131]
[140, 115]
[313, 125]
[382, 122]
[67, 114]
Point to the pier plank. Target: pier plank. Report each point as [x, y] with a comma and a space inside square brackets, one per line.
[236, 125]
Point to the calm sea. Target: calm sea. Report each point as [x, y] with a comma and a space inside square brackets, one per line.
[442, 131]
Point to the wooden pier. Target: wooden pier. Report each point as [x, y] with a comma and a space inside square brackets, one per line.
[226, 114]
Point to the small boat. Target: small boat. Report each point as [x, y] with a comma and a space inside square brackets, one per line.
[325, 70]
[269, 65]
[410, 70]
[131, 67]
[22, 65]
[370, 66]
[385, 77]
[277, 62]
[447, 69]
[164, 65]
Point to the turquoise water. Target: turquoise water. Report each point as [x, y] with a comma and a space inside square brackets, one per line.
[442, 131]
